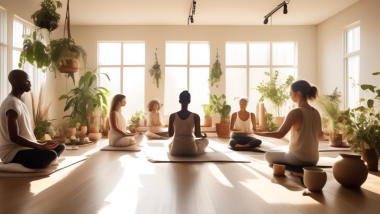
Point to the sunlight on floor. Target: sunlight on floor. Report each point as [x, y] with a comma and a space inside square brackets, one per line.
[219, 175]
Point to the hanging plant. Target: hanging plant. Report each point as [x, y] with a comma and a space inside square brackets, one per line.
[47, 17]
[155, 72]
[216, 71]
[34, 51]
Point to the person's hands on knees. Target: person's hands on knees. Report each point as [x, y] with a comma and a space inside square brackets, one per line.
[49, 145]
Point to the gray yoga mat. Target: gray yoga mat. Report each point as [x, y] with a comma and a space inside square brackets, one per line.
[121, 148]
[63, 162]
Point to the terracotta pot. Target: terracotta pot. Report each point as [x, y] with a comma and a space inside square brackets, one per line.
[207, 122]
[72, 66]
[262, 118]
[350, 171]
[372, 160]
[84, 130]
[107, 125]
[314, 178]
[257, 113]
[72, 131]
[132, 128]
[94, 129]
[278, 120]
[336, 140]
[278, 170]
[94, 137]
[223, 130]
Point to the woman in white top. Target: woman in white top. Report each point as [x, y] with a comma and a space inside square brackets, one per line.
[305, 126]
[118, 126]
[155, 121]
[182, 124]
[242, 125]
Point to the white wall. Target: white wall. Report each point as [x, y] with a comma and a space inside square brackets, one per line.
[330, 45]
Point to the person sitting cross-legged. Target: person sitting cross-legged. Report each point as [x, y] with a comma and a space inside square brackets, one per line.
[17, 141]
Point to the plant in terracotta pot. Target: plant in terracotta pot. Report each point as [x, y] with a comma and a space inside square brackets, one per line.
[216, 72]
[155, 72]
[224, 110]
[332, 122]
[208, 110]
[277, 94]
[34, 51]
[362, 128]
[135, 118]
[47, 17]
[84, 98]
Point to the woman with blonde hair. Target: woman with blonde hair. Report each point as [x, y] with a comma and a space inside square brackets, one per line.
[155, 121]
[118, 126]
[305, 126]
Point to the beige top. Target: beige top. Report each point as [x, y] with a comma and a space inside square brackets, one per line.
[154, 120]
[121, 124]
[183, 141]
[245, 126]
[304, 142]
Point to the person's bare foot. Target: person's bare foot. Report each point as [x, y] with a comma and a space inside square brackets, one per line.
[132, 142]
[240, 145]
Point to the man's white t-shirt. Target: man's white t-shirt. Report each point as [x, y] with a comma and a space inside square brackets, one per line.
[8, 149]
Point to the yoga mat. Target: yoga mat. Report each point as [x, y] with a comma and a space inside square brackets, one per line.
[63, 162]
[123, 148]
[152, 135]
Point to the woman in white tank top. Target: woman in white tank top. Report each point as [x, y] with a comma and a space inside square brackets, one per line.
[118, 126]
[305, 126]
[242, 125]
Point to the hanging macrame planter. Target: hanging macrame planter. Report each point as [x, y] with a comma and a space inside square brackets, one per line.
[155, 72]
[216, 71]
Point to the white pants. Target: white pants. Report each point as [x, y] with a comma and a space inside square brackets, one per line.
[279, 156]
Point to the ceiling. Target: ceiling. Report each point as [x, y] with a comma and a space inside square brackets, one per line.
[208, 12]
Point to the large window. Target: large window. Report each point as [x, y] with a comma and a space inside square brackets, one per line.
[352, 64]
[124, 62]
[187, 67]
[3, 54]
[20, 28]
[246, 64]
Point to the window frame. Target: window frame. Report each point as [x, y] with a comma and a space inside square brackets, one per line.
[346, 56]
[3, 53]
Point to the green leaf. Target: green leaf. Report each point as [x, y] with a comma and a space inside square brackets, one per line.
[370, 103]
[376, 73]
[68, 105]
[362, 100]
[368, 87]
[63, 97]
[107, 76]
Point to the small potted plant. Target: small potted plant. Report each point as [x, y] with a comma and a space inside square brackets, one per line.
[208, 110]
[224, 110]
[47, 17]
[328, 105]
[277, 94]
[135, 118]
[216, 72]
[362, 128]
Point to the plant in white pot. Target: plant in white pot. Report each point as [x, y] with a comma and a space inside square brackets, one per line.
[208, 110]
[277, 94]
[224, 110]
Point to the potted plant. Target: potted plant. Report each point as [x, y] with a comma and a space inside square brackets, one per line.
[208, 110]
[224, 110]
[363, 128]
[155, 71]
[328, 105]
[34, 51]
[83, 98]
[271, 126]
[135, 118]
[216, 71]
[277, 94]
[47, 17]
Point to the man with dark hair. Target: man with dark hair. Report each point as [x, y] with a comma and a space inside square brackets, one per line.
[17, 141]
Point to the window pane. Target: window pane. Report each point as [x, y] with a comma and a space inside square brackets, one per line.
[3, 73]
[236, 54]
[236, 86]
[176, 53]
[109, 54]
[15, 59]
[199, 54]
[114, 85]
[134, 90]
[353, 69]
[353, 39]
[259, 53]
[17, 34]
[283, 53]
[256, 76]
[134, 53]
[175, 83]
[199, 90]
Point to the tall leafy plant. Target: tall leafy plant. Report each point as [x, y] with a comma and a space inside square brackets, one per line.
[83, 98]
[221, 107]
[277, 94]
[216, 72]
[329, 105]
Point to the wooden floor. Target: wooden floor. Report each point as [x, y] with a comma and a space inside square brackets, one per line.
[125, 182]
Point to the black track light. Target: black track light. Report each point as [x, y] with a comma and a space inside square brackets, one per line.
[191, 19]
[285, 8]
[266, 21]
[283, 4]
